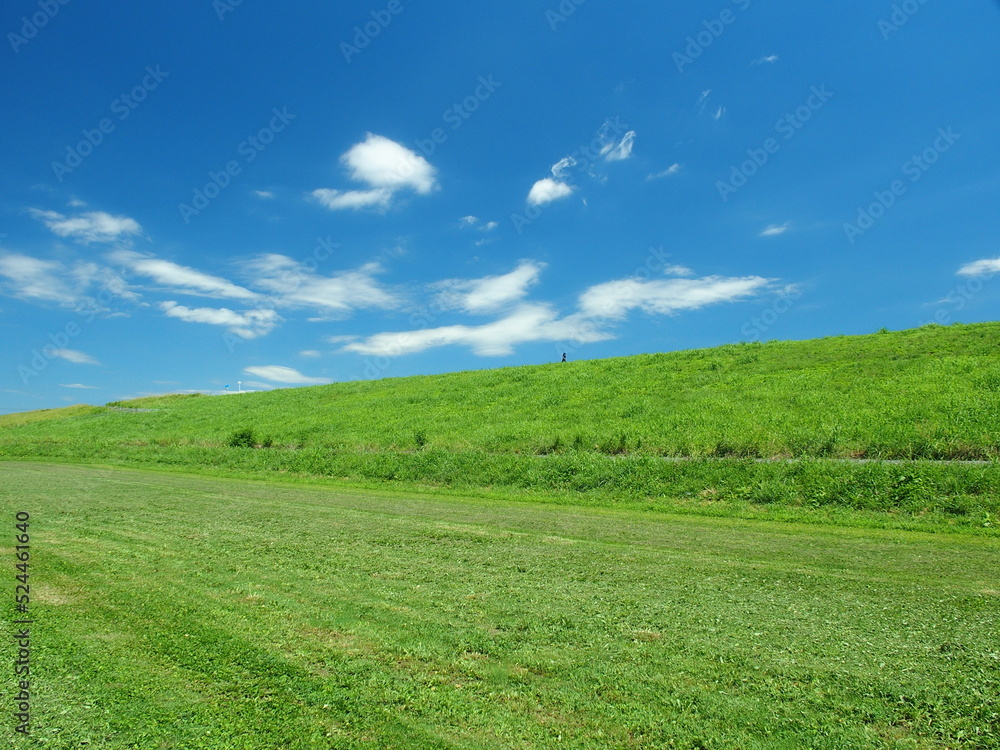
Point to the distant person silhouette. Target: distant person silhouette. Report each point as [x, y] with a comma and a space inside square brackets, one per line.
[564, 357]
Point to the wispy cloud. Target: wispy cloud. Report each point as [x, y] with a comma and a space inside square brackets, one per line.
[250, 324]
[180, 278]
[527, 323]
[88, 228]
[344, 339]
[284, 375]
[264, 194]
[32, 278]
[74, 356]
[337, 200]
[608, 147]
[292, 284]
[980, 267]
[475, 221]
[621, 150]
[677, 271]
[80, 385]
[386, 167]
[489, 294]
[51, 281]
[600, 308]
[615, 299]
[775, 229]
[671, 170]
[768, 59]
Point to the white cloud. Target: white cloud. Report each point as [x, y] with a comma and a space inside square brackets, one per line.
[247, 325]
[980, 267]
[556, 187]
[767, 59]
[775, 229]
[599, 308]
[74, 356]
[336, 200]
[51, 281]
[80, 385]
[284, 375]
[619, 151]
[677, 271]
[32, 278]
[719, 113]
[310, 353]
[671, 170]
[547, 190]
[90, 227]
[490, 294]
[553, 188]
[264, 194]
[474, 221]
[615, 299]
[386, 167]
[181, 278]
[384, 163]
[528, 323]
[562, 166]
[294, 285]
[341, 339]
[258, 385]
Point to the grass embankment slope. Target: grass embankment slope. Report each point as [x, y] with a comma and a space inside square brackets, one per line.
[604, 427]
[195, 612]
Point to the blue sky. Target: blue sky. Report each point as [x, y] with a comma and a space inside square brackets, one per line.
[201, 194]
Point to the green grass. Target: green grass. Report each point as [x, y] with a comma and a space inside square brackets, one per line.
[930, 393]
[195, 612]
[600, 430]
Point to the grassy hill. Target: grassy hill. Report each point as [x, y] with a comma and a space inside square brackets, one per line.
[932, 392]
[605, 426]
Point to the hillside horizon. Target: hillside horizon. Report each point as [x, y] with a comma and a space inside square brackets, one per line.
[929, 392]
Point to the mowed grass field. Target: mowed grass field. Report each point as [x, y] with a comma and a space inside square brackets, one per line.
[191, 612]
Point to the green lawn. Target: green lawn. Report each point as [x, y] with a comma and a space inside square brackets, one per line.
[194, 612]
[708, 431]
